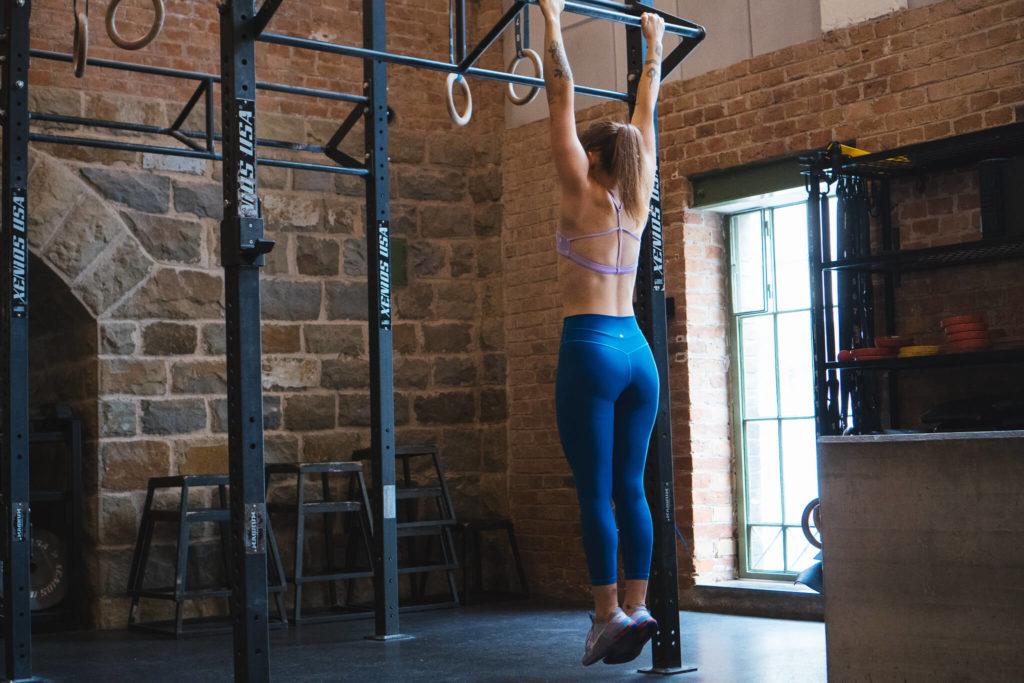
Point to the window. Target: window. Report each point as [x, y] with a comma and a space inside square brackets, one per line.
[773, 397]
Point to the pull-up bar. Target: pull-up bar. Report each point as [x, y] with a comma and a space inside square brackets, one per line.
[407, 60]
[628, 15]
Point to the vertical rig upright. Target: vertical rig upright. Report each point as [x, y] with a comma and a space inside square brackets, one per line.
[663, 592]
[243, 250]
[382, 399]
[813, 180]
[14, 461]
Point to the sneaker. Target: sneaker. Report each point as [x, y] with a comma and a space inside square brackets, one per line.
[631, 644]
[603, 637]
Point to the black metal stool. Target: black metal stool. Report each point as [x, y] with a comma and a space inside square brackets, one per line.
[179, 593]
[408, 495]
[357, 504]
[471, 534]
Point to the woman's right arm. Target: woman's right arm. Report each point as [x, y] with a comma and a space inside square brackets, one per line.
[653, 28]
[570, 159]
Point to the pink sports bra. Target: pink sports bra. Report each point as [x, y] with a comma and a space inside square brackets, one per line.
[564, 246]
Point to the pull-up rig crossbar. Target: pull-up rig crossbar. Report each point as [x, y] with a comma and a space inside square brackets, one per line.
[204, 92]
[243, 250]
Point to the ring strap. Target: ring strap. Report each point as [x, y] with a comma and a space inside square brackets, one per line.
[80, 39]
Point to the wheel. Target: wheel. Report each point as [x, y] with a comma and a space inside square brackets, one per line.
[811, 510]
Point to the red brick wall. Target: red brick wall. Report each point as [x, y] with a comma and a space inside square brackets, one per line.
[921, 74]
[704, 267]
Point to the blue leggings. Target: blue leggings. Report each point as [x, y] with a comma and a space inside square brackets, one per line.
[606, 401]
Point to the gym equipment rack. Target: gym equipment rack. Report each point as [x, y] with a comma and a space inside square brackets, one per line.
[243, 251]
[848, 394]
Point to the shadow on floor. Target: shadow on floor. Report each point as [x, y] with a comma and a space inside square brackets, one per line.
[506, 642]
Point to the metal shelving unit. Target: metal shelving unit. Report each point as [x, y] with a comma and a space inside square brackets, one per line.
[848, 395]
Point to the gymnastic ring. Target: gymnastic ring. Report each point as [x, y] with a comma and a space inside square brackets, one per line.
[805, 522]
[459, 119]
[80, 47]
[538, 68]
[124, 43]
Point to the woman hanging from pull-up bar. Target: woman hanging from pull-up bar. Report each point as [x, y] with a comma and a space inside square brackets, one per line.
[606, 394]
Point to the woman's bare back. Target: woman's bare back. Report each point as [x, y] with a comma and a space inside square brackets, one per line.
[585, 290]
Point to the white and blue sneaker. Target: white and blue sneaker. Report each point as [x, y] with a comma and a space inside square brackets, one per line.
[604, 637]
[631, 644]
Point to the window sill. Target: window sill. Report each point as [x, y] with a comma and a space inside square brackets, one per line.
[781, 586]
[755, 597]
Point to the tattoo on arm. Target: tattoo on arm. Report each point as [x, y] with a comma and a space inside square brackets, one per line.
[653, 67]
[561, 70]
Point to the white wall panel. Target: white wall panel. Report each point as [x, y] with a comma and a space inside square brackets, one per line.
[839, 13]
[775, 24]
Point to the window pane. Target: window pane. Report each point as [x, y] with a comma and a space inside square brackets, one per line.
[764, 482]
[747, 263]
[799, 553]
[792, 258]
[799, 467]
[795, 377]
[757, 341]
[766, 549]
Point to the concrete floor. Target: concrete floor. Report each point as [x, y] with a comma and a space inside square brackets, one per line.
[508, 642]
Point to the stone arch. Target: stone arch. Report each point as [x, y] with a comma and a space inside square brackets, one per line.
[86, 243]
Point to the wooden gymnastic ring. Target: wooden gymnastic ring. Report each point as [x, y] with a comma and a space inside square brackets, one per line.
[124, 43]
[538, 68]
[80, 46]
[459, 119]
[805, 522]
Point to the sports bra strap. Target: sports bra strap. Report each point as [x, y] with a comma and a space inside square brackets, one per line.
[563, 244]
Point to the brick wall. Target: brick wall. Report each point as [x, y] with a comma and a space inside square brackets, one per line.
[134, 238]
[920, 74]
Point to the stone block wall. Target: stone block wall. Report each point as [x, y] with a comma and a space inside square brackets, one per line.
[925, 73]
[134, 238]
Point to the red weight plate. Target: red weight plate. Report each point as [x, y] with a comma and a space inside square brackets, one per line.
[872, 353]
[968, 336]
[891, 342]
[844, 355]
[965, 327]
[961, 320]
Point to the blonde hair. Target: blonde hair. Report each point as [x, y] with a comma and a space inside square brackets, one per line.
[620, 152]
